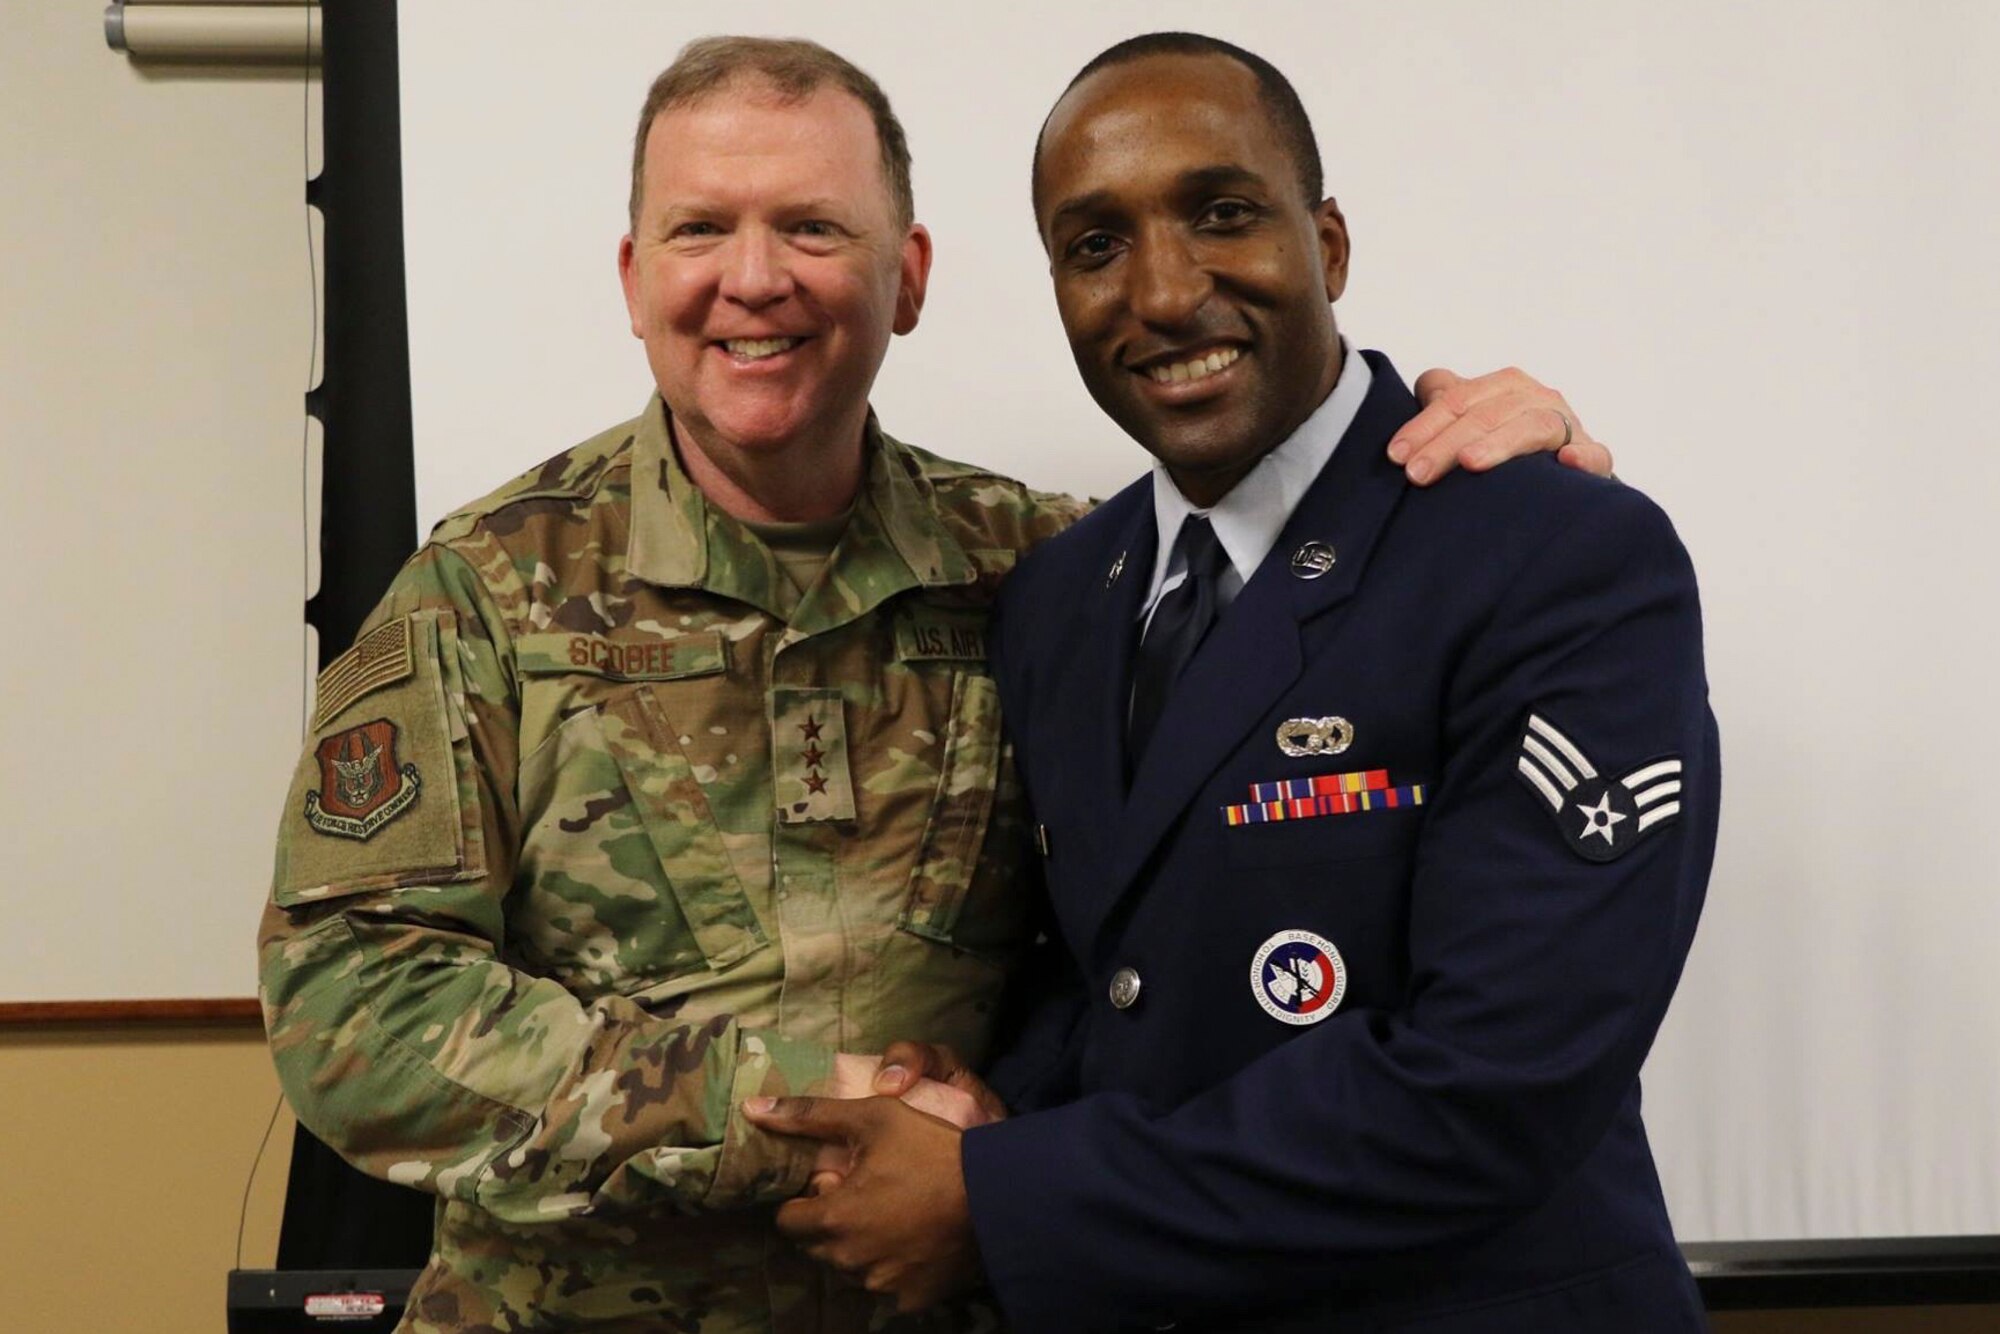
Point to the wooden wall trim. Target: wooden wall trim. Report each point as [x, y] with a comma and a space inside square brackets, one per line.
[226, 1010]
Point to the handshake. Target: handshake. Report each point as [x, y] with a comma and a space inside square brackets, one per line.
[885, 1203]
[929, 1077]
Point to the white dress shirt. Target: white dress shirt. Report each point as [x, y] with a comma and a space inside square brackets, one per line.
[1248, 520]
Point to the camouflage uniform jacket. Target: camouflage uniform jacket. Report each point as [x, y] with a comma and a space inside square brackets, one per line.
[590, 842]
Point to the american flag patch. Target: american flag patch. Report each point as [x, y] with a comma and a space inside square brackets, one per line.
[379, 658]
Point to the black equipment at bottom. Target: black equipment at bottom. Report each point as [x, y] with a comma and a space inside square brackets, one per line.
[299, 1301]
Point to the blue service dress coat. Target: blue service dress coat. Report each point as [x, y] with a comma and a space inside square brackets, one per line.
[1375, 1064]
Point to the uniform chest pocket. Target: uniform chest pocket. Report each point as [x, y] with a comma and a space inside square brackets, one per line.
[682, 830]
[627, 878]
[966, 888]
[1325, 838]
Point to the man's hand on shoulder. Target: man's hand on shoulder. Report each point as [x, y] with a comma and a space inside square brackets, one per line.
[1483, 422]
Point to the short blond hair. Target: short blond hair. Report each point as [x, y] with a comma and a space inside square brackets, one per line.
[795, 69]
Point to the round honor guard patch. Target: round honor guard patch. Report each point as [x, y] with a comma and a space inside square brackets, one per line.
[1298, 977]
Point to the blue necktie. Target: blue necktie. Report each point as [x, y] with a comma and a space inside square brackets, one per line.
[1181, 619]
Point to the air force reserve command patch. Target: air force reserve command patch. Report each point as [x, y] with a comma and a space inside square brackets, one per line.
[384, 793]
[1601, 818]
[361, 786]
[1298, 977]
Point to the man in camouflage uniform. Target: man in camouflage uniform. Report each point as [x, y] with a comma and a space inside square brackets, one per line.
[672, 771]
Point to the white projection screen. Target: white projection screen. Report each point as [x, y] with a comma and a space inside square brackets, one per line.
[1752, 243]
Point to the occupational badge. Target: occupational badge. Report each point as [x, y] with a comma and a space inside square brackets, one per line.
[1299, 737]
[361, 788]
[1298, 977]
[1600, 818]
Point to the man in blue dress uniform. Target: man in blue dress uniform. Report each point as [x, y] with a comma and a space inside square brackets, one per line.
[1376, 821]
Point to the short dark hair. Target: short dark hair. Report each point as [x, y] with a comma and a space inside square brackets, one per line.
[795, 69]
[1280, 99]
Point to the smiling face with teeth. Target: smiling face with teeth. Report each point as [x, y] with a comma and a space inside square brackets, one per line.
[766, 272]
[1194, 279]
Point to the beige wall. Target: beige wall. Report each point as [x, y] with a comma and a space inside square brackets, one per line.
[125, 1153]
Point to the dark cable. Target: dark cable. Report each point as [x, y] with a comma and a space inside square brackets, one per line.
[243, 1211]
[312, 358]
[305, 516]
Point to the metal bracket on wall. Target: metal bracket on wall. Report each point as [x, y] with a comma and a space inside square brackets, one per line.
[242, 32]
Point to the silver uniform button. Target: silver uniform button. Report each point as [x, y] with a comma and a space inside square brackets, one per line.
[1124, 988]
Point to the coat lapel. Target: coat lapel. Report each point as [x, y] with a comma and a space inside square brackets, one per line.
[1253, 655]
[1092, 690]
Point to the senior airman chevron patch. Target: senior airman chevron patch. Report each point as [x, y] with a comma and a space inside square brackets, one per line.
[1601, 818]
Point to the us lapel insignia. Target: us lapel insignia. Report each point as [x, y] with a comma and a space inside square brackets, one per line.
[1117, 568]
[1312, 560]
[1600, 818]
[1301, 737]
[1298, 977]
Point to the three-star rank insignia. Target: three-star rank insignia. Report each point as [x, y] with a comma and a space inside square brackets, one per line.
[1601, 818]
[361, 788]
[809, 755]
